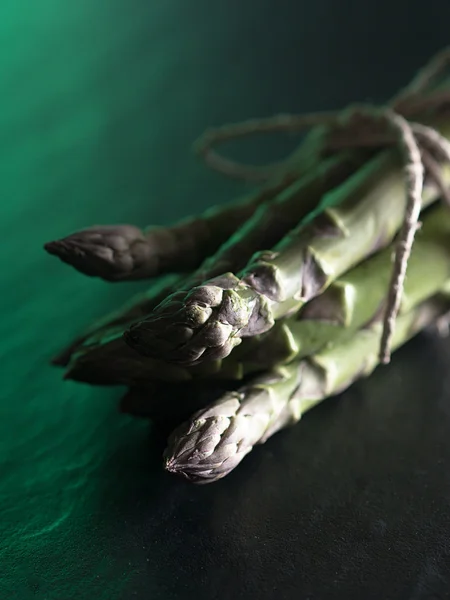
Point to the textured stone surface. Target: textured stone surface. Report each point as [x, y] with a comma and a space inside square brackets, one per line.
[100, 103]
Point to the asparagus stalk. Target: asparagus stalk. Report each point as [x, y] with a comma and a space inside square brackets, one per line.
[128, 253]
[351, 301]
[215, 440]
[360, 217]
[112, 362]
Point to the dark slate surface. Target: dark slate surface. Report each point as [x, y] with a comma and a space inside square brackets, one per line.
[100, 101]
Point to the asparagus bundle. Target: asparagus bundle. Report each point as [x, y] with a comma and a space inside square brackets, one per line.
[215, 440]
[308, 311]
[351, 301]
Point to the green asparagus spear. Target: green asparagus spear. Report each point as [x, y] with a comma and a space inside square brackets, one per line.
[128, 253]
[360, 217]
[112, 362]
[214, 441]
[351, 301]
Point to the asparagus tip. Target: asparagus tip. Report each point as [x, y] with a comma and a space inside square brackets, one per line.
[75, 254]
[63, 249]
[171, 465]
[112, 252]
[174, 468]
[203, 324]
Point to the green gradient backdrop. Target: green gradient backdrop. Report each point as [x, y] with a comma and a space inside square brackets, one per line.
[100, 101]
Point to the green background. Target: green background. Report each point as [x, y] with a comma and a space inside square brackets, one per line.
[100, 102]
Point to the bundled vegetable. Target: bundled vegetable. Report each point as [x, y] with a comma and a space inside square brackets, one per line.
[284, 298]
